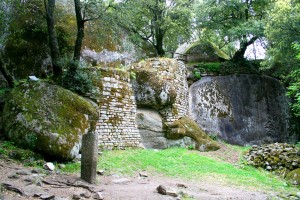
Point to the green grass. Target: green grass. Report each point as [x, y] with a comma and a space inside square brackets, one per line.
[27, 157]
[190, 165]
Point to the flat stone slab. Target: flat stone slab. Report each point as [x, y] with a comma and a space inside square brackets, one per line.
[121, 181]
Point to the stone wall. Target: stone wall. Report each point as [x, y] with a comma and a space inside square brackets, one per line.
[116, 126]
[180, 106]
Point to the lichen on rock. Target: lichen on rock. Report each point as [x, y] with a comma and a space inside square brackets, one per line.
[48, 119]
[154, 84]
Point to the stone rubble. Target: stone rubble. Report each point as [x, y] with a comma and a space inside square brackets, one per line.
[280, 158]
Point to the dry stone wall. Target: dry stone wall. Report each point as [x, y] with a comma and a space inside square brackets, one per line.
[116, 127]
[180, 106]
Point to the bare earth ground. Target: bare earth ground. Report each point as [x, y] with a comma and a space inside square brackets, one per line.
[119, 188]
[114, 187]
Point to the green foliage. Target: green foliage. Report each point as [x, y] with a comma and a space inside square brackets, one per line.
[282, 31]
[162, 24]
[226, 68]
[209, 67]
[76, 79]
[227, 22]
[294, 92]
[4, 90]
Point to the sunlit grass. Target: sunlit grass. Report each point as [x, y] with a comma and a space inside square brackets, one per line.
[189, 165]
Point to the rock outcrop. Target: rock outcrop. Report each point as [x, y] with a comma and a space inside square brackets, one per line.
[185, 126]
[48, 119]
[244, 109]
[150, 125]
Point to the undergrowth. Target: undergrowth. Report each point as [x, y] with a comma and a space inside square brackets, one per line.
[25, 156]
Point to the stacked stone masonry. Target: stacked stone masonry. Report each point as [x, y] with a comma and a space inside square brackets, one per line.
[180, 106]
[116, 127]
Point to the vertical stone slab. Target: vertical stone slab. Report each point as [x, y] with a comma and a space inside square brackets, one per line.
[89, 157]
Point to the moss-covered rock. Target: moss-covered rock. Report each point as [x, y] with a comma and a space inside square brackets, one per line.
[294, 176]
[154, 83]
[185, 126]
[48, 119]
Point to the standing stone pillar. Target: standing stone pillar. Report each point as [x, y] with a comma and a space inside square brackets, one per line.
[89, 157]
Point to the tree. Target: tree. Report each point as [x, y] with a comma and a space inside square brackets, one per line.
[161, 23]
[53, 43]
[87, 11]
[234, 21]
[283, 55]
[9, 78]
[283, 31]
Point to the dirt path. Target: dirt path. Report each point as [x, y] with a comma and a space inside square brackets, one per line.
[112, 187]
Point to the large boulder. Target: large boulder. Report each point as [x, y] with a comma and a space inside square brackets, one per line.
[48, 119]
[244, 109]
[153, 131]
[150, 125]
[154, 83]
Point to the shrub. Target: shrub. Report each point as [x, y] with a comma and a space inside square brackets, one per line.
[76, 79]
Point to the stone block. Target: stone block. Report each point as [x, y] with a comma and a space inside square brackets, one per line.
[89, 151]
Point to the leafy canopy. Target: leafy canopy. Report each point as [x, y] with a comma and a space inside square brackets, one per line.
[163, 24]
[233, 21]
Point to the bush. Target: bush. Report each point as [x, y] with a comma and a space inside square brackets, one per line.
[76, 79]
[210, 67]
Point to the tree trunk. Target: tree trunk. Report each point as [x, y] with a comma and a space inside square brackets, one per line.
[80, 30]
[159, 32]
[53, 43]
[6, 74]
[239, 55]
[159, 44]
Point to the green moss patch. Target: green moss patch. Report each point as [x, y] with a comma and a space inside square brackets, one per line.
[48, 119]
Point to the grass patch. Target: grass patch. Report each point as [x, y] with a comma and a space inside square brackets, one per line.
[8, 150]
[178, 162]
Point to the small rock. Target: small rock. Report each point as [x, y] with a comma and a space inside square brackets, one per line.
[172, 192]
[298, 194]
[86, 194]
[268, 168]
[161, 189]
[36, 171]
[143, 174]
[38, 183]
[49, 166]
[61, 166]
[78, 157]
[23, 172]
[14, 176]
[76, 196]
[29, 179]
[100, 172]
[98, 196]
[47, 196]
[121, 181]
[33, 78]
[181, 185]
